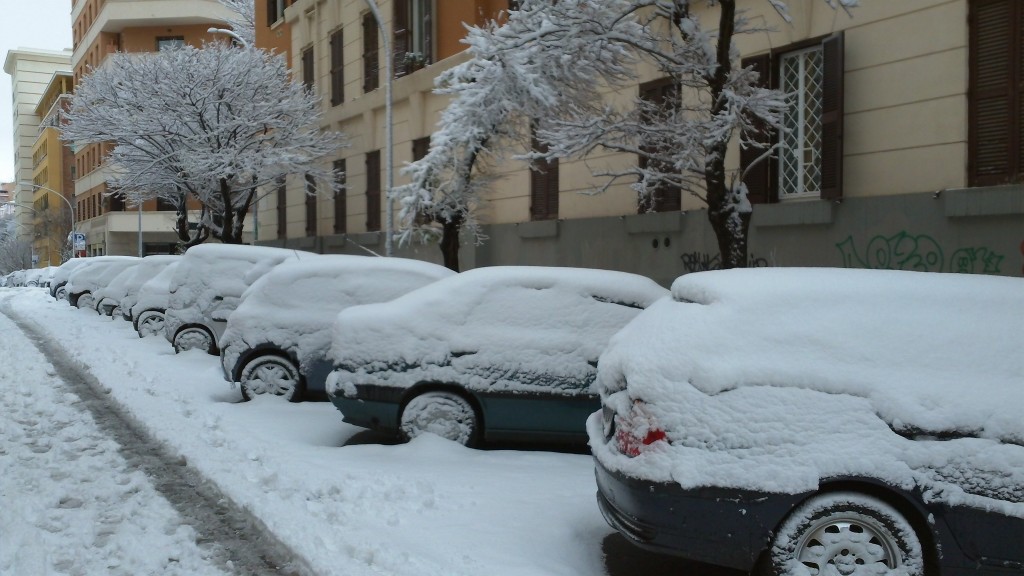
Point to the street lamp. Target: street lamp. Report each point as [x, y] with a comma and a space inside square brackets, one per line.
[74, 237]
[388, 128]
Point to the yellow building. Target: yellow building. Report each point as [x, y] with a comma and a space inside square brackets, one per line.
[101, 28]
[53, 175]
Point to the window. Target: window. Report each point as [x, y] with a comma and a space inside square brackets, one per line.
[995, 137]
[373, 191]
[663, 95]
[337, 68]
[165, 205]
[310, 206]
[169, 42]
[371, 58]
[807, 162]
[413, 43]
[308, 72]
[282, 207]
[116, 202]
[275, 11]
[543, 184]
[340, 197]
[420, 147]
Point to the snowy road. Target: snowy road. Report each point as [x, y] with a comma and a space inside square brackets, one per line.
[84, 433]
[77, 482]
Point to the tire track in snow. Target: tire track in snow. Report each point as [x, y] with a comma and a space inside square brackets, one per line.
[236, 538]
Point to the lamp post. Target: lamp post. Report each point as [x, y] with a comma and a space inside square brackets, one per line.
[71, 206]
[388, 128]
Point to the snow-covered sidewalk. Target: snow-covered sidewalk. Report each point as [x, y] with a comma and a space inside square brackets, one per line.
[425, 508]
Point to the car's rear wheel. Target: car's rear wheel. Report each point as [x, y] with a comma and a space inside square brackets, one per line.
[847, 534]
[193, 338]
[115, 312]
[61, 294]
[86, 301]
[271, 375]
[151, 323]
[446, 414]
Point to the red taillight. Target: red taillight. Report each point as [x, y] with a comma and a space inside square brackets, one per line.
[635, 433]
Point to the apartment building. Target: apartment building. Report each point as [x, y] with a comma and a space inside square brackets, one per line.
[32, 72]
[905, 150]
[52, 175]
[101, 28]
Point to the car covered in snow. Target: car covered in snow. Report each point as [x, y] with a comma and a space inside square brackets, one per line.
[147, 313]
[39, 277]
[820, 421]
[86, 280]
[64, 271]
[276, 340]
[207, 286]
[496, 353]
[120, 293]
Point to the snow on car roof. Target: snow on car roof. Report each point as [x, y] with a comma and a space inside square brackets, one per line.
[129, 281]
[926, 354]
[153, 295]
[294, 304]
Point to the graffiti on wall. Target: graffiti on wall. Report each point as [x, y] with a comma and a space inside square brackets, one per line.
[701, 261]
[903, 251]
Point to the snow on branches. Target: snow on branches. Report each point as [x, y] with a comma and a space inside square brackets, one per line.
[213, 124]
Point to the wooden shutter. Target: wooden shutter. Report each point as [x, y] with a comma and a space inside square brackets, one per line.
[428, 32]
[282, 207]
[832, 118]
[337, 68]
[759, 177]
[340, 197]
[308, 74]
[371, 65]
[665, 94]
[402, 37]
[271, 12]
[996, 107]
[311, 216]
[543, 185]
[373, 191]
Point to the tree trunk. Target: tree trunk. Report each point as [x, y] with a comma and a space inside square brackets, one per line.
[450, 242]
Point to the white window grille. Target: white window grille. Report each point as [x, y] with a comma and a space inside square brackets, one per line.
[800, 146]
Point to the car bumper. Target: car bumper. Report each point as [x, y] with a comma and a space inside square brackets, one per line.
[724, 527]
[377, 413]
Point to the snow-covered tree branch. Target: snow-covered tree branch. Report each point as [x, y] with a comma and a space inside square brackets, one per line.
[213, 124]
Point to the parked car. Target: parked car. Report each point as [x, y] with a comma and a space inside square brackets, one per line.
[39, 276]
[16, 279]
[120, 293]
[276, 340]
[147, 314]
[63, 273]
[501, 353]
[819, 421]
[93, 276]
[206, 287]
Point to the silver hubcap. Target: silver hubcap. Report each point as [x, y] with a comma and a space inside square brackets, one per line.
[151, 325]
[440, 413]
[192, 340]
[847, 545]
[270, 377]
[86, 301]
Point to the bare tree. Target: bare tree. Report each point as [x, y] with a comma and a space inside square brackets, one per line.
[211, 124]
[559, 51]
[15, 253]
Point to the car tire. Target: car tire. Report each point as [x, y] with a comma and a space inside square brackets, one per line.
[446, 414]
[86, 301]
[150, 323]
[271, 375]
[845, 533]
[115, 312]
[61, 293]
[194, 338]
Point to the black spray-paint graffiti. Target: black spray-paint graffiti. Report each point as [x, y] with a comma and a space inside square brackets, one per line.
[701, 261]
[903, 251]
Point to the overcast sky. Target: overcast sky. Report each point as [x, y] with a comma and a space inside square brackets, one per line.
[41, 24]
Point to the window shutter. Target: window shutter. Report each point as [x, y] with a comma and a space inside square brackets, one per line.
[996, 64]
[308, 74]
[428, 32]
[665, 94]
[340, 197]
[311, 215]
[271, 12]
[282, 207]
[373, 191]
[543, 185]
[758, 178]
[402, 37]
[371, 75]
[337, 68]
[832, 118]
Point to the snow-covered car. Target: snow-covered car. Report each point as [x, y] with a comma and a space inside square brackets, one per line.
[820, 421]
[39, 276]
[147, 314]
[93, 276]
[497, 353]
[120, 293]
[16, 279]
[64, 271]
[276, 340]
[207, 286]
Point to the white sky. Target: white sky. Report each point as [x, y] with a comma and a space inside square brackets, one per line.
[41, 24]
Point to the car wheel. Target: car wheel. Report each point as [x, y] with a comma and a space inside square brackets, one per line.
[446, 414]
[271, 375]
[151, 323]
[193, 338]
[86, 302]
[115, 312]
[846, 534]
[62, 293]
